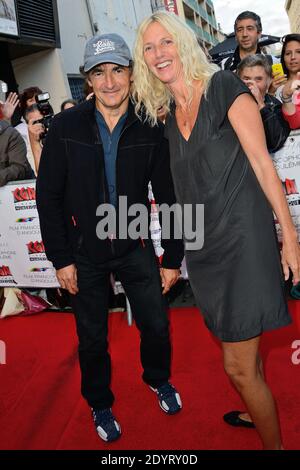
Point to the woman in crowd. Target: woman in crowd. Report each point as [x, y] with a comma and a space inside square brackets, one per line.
[289, 94]
[290, 59]
[291, 103]
[28, 99]
[219, 159]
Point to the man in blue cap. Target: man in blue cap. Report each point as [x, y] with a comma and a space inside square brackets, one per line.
[94, 154]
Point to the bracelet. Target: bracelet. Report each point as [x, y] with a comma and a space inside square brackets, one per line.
[286, 99]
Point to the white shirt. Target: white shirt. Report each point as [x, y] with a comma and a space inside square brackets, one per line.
[22, 128]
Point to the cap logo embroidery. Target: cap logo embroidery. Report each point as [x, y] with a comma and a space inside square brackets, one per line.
[103, 46]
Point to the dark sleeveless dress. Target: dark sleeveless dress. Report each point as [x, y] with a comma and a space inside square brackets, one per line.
[237, 276]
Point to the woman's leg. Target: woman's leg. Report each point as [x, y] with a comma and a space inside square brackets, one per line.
[245, 416]
[243, 366]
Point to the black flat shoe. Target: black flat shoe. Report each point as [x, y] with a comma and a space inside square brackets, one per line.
[232, 418]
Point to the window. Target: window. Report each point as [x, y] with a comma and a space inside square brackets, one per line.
[76, 87]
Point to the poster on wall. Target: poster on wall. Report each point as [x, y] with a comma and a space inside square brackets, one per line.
[170, 5]
[8, 18]
[287, 164]
[23, 262]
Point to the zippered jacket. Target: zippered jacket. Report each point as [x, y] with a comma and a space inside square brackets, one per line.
[71, 185]
[276, 128]
[231, 62]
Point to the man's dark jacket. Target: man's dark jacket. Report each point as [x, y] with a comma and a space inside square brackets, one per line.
[231, 62]
[276, 128]
[71, 184]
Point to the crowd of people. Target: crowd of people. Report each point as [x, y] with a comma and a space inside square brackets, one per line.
[26, 110]
[202, 134]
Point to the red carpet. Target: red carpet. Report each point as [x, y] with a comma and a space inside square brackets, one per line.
[41, 407]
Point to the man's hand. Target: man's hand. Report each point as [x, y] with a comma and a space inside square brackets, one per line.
[9, 106]
[67, 277]
[256, 93]
[89, 96]
[35, 130]
[168, 278]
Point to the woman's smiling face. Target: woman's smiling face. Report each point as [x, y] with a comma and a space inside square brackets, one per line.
[161, 54]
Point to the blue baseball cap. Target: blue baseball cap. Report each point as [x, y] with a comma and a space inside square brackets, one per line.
[106, 48]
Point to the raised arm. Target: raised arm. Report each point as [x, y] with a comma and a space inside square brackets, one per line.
[290, 110]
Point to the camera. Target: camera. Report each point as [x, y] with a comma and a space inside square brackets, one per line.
[46, 110]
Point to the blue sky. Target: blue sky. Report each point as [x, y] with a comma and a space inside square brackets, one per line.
[272, 12]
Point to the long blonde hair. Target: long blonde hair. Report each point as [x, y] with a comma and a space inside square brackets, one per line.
[148, 92]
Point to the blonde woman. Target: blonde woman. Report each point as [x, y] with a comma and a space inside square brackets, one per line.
[219, 158]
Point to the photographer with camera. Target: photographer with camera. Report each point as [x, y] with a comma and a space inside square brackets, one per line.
[27, 98]
[45, 108]
[35, 131]
[37, 114]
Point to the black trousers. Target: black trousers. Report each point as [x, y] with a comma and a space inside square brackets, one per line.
[139, 274]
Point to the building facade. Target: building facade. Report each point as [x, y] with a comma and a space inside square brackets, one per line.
[198, 14]
[42, 42]
[293, 11]
[29, 41]
[123, 17]
[94, 17]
